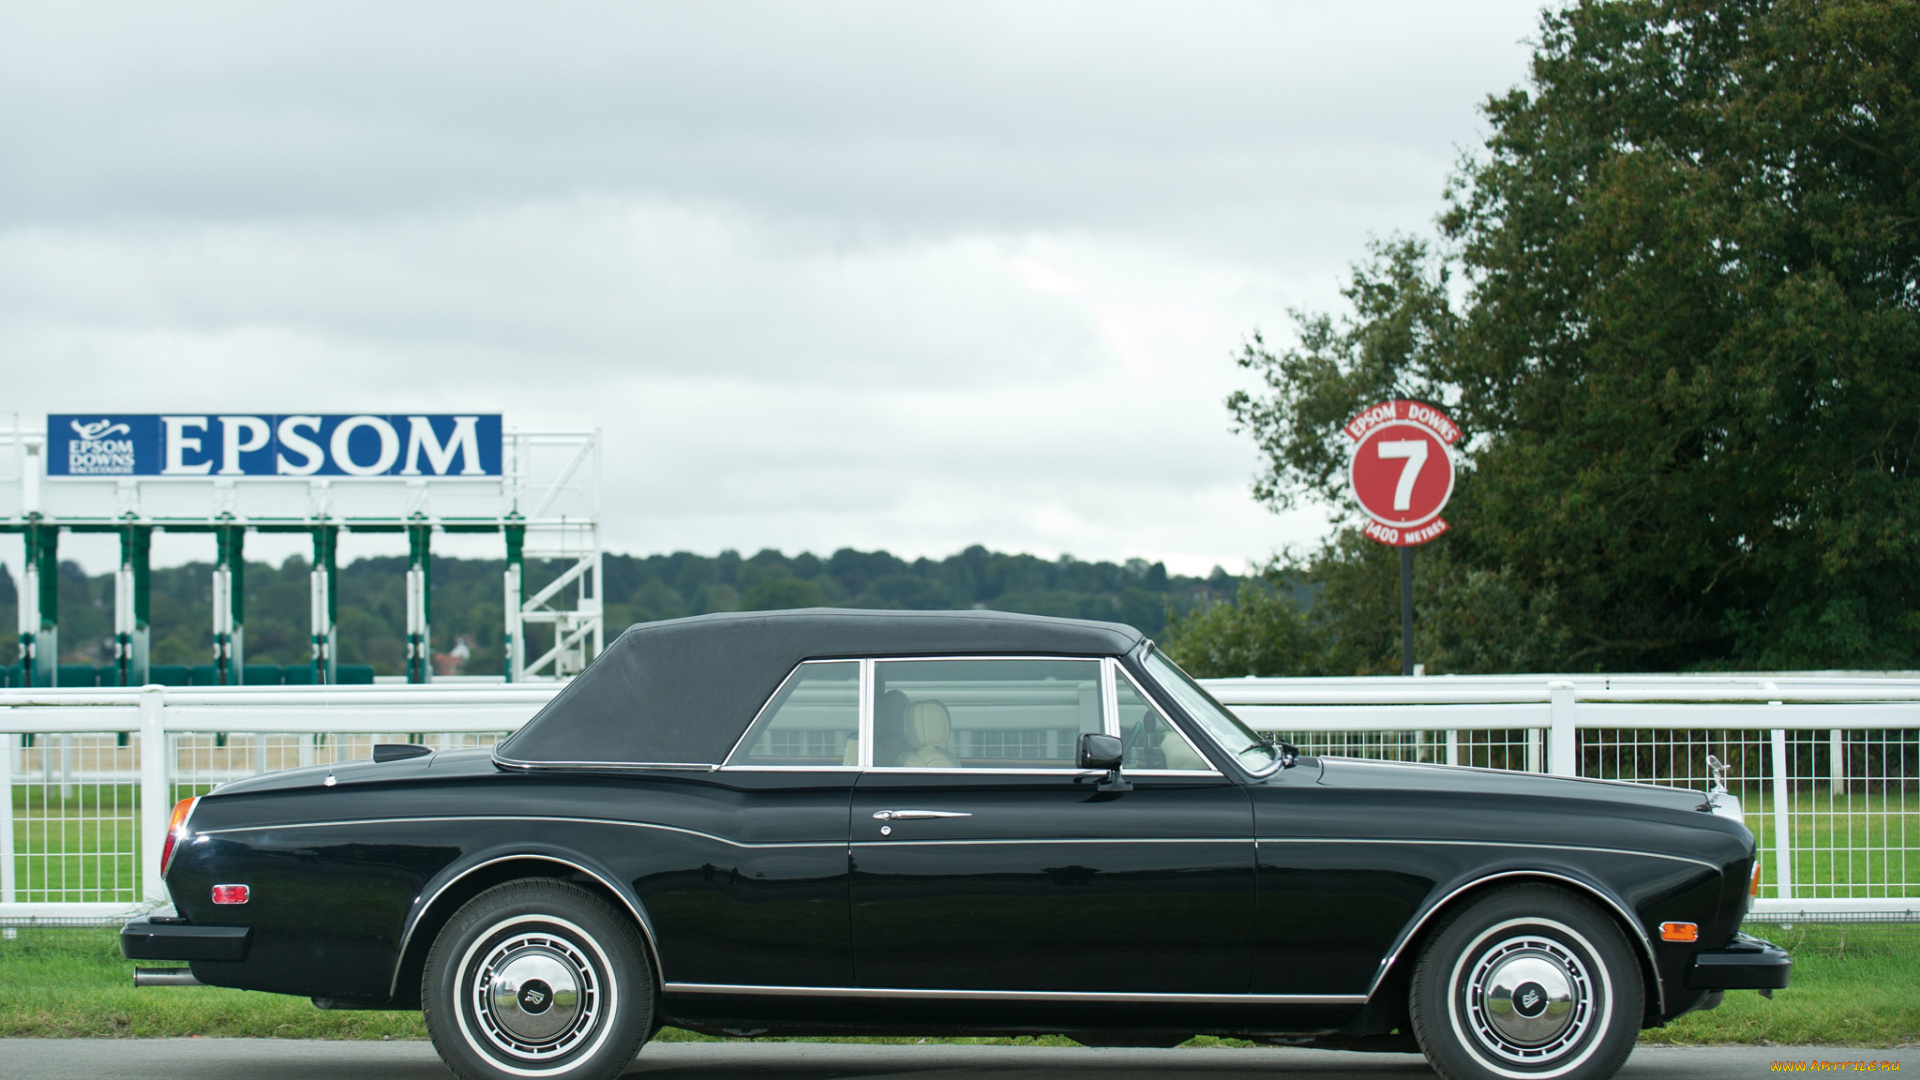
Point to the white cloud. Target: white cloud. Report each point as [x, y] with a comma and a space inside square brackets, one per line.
[891, 276]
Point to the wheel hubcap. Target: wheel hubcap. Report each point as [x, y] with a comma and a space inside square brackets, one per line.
[1529, 999]
[536, 995]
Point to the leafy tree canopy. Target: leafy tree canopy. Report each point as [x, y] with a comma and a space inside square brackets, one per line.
[1675, 303]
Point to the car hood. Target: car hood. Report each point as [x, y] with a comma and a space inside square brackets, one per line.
[1356, 773]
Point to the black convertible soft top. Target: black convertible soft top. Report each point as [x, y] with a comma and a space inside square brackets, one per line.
[684, 690]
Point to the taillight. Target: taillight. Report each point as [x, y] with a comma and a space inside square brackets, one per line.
[176, 829]
[1754, 888]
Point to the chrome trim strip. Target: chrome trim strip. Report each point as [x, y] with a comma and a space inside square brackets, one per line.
[735, 843]
[1014, 995]
[529, 817]
[1064, 840]
[866, 714]
[790, 768]
[1109, 699]
[1640, 933]
[637, 910]
[622, 766]
[1486, 843]
[906, 770]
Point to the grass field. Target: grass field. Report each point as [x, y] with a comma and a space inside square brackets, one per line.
[1852, 986]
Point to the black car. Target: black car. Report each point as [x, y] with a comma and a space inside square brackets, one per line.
[816, 822]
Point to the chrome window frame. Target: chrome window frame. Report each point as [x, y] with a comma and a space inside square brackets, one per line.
[1146, 647]
[1172, 725]
[1110, 670]
[863, 722]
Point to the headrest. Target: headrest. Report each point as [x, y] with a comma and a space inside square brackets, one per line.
[927, 723]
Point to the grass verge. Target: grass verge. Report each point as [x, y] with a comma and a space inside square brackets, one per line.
[74, 984]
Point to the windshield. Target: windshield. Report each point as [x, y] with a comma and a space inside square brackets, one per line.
[1251, 751]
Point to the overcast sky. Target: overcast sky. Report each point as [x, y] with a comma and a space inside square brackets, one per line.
[904, 276]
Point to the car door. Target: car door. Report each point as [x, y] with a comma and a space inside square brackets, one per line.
[753, 885]
[983, 860]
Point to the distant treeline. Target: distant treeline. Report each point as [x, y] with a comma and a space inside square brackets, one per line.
[467, 598]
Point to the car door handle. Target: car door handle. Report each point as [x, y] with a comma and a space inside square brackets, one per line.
[915, 815]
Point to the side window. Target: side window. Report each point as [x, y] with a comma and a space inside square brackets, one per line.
[983, 714]
[1151, 741]
[813, 720]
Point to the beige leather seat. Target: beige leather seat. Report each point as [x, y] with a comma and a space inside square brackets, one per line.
[927, 725]
[1178, 755]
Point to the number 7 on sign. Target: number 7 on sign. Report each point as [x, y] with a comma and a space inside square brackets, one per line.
[1415, 451]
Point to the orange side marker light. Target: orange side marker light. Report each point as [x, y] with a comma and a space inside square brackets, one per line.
[1679, 931]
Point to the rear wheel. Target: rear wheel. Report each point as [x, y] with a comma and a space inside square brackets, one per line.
[1531, 983]
[537, 979]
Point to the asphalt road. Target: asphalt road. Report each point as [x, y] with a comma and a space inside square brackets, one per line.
[235, 1059]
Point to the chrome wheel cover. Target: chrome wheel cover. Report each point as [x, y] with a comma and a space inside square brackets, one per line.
[1529, 1003]
[532, 992]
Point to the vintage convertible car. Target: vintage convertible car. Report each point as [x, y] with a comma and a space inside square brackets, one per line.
[952, 823]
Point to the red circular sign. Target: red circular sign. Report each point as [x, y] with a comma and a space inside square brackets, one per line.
[1402, 470]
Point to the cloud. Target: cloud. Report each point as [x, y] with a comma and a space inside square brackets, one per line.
[903, 276]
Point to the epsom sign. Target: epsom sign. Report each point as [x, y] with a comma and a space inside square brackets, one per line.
[215, 444]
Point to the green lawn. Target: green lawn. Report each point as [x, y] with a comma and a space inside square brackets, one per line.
[1850, 988]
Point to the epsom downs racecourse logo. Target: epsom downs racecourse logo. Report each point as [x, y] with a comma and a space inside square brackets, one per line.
[288, 446]
[94, 451]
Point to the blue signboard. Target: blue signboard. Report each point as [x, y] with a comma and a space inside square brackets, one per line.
[96, 444]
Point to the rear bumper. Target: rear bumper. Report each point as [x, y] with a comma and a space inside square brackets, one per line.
[165, 936]
[1745, 964]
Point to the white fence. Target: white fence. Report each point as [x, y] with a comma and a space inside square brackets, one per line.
[1825, 766]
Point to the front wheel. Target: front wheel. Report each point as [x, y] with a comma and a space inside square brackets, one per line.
[1531, 983]
[537, 979]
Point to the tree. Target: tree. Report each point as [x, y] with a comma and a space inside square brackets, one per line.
[1263, 632]
[1687, 352]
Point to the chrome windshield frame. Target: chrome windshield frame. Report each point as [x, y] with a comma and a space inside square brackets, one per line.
[1152, 685]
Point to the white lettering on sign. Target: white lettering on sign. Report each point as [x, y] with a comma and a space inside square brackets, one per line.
[291, 439]
[465, 441]
[1415, 452]
[342, 446]
[178, 442]
[240, 435]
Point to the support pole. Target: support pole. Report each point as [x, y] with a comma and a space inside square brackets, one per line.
[1782, 819]
[40, 606]
[325, 602]
[9, 746]
[419, 603]
[1406, 611]
[1837, 762]
[229, 605]
[514, 644]
[156, 798]
[130, 596]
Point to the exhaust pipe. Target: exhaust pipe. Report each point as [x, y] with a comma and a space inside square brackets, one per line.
[169, 976]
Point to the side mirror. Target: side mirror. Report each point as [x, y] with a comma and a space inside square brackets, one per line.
[1100, 752]
[1104, 752]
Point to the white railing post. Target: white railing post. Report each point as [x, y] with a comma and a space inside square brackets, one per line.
[156, 803]
[1782, 835]
[1837, 759]
[7, 886]
[1453, 746]
[1562, 757]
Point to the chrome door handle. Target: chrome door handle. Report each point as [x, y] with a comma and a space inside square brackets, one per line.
[915, 815]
